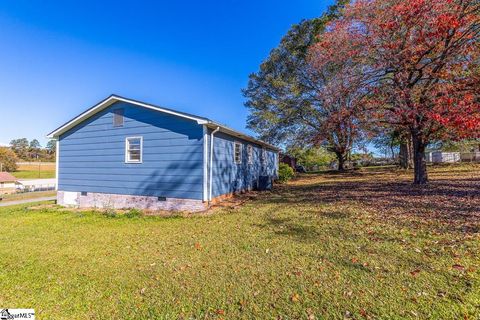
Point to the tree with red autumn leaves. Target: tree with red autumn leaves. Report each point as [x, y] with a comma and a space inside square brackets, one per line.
[419, 62]
[339, 112]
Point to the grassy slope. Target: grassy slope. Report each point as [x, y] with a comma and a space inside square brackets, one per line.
[284, 254]
[32, 174]
[34, 171]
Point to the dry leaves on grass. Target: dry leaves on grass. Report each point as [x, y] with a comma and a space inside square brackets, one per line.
[451, 199]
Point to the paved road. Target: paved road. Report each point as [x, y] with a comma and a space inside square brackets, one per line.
[12, 203]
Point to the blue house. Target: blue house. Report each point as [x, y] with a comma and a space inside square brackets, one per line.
[123, 153]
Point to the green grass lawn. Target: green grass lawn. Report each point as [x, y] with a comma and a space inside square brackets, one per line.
[362, 245]
[34, 174]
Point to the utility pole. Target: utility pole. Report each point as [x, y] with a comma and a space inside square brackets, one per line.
[38, 159]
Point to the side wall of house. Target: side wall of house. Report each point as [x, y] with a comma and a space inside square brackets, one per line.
[230, 177]
[92, 155]
[7, 187]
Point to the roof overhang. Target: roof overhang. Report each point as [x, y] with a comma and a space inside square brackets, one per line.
[108, 102]
[7, 177]
[229, 131]
[114, 98]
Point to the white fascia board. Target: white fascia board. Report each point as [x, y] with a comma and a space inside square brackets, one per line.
[240, 135]
[149, 106]
[108, 102]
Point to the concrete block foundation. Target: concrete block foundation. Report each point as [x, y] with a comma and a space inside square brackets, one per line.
[119, 201]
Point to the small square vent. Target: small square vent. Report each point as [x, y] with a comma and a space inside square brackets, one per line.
[84, 193]
[162, 199]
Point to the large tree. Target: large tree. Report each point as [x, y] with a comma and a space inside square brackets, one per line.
[337, 119]
[20, 147]
[34, 144]
[388, 141]
[420, 65]
[311, 157]
[292, 103]
[8, 160]
[51, 146]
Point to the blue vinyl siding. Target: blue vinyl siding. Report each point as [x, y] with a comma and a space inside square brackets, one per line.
[92, 155]
[230, 177]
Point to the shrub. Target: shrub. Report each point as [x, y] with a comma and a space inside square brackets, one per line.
[285, 172]
[110, 213]
[133, 213]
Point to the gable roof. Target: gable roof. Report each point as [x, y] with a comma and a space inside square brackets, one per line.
[114, 98]
[7, 177]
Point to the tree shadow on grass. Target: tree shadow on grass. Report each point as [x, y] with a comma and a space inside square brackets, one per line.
[449, 204]
[291, 228]
[304, 229]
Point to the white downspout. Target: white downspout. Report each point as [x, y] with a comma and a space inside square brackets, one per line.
[211, 164]
[57, 161]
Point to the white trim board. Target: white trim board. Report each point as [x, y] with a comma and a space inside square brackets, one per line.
[205, 163]
[127, 155]
[57, 162]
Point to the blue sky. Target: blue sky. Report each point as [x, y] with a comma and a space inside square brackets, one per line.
[58, 58]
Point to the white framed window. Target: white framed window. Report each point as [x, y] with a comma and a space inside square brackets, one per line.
[263, 157]
[118, 117]
[237, 152]
[133, 149]
[250, 154]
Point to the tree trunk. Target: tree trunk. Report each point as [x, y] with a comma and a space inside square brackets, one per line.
[410, 152]
[341, 161]
[419, 163]
[406, 154]
[403, 156]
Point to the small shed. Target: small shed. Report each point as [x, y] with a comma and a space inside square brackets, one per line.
[8, 183]
[445, 157]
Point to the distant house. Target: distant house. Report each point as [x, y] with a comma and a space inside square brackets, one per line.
[8, 183]
[287, 159]
[443, 157]
[470, 156]
[123, 153]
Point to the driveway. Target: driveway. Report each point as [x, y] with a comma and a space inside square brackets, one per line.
[15, 202]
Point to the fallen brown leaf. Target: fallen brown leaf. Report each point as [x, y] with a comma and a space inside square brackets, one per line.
[458, 267]
[415, 272]
[295, 297]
